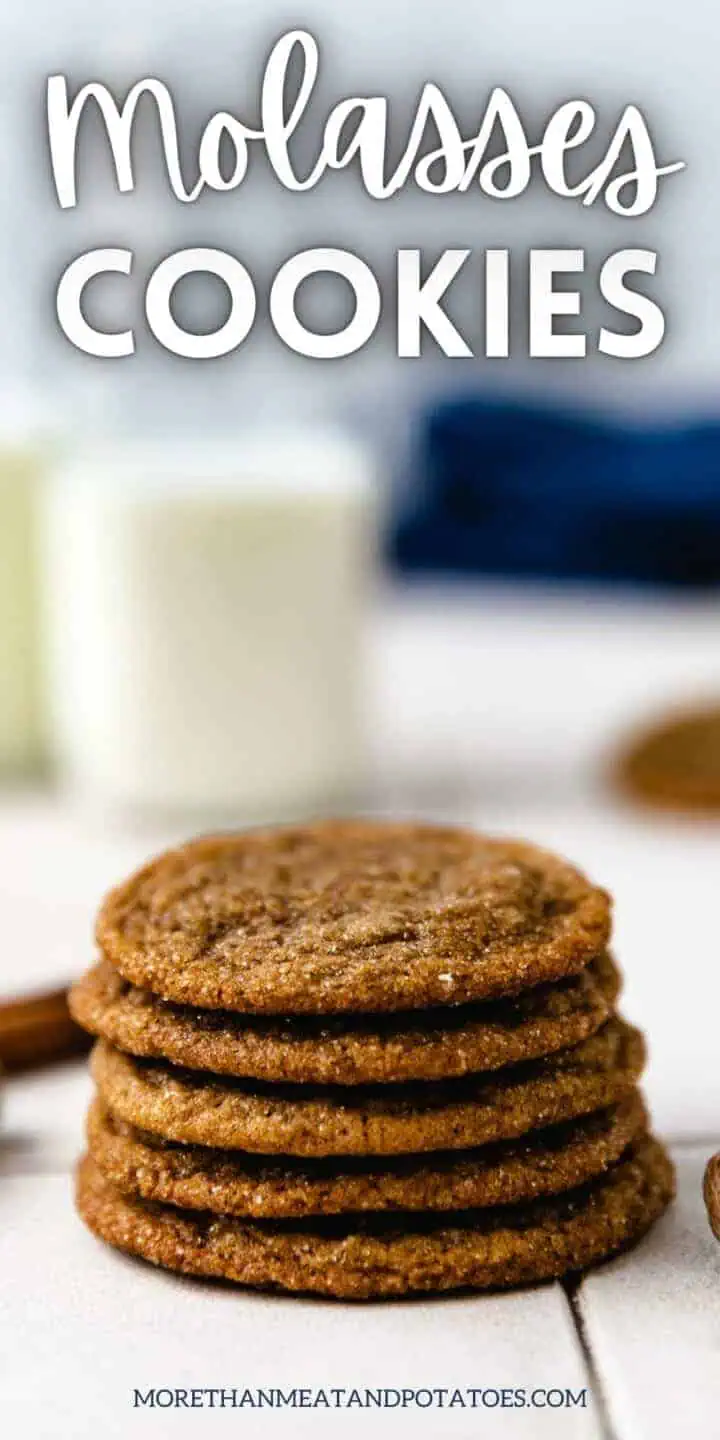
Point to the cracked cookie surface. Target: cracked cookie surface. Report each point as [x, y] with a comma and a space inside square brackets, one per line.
[354, 915]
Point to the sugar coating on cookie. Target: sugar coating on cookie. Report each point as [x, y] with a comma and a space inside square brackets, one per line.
[345, 1049]
[203, 1109]
[389, 1256]
[228, 1182]
[351, 916]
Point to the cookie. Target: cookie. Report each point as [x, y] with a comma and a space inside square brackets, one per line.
[356, 915]
[197, 1108]
[546, 1163]
[345, 1050]
[711, 1191]
[676, 762]
[373, 1256]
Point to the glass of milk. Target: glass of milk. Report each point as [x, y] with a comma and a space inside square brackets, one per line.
[21, 723]
[204, 609]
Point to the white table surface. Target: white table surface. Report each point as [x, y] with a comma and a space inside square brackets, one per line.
[495, 710]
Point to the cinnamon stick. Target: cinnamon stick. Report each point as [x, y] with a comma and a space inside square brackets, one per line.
[36, 1029]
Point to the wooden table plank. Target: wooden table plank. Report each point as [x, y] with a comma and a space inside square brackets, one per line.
[652, 1321]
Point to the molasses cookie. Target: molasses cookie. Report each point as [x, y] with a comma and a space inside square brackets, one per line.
[365, 1257]
[676, 762]
[360, 916]
[711, 1191]
[198, 1108]
[231, 1183]
[349, 1050]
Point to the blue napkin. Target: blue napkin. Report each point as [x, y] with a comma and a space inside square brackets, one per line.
[509, 488]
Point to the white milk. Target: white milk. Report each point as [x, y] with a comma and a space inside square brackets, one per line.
[20, 719]
[204, 611]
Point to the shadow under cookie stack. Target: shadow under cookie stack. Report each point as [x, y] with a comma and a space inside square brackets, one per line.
[364, 1059]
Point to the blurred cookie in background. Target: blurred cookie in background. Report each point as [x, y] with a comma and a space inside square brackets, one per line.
[674, 763]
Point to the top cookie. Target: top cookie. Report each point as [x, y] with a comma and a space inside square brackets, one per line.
[351, 916]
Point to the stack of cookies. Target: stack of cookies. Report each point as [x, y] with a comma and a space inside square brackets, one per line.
[364, 1059]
